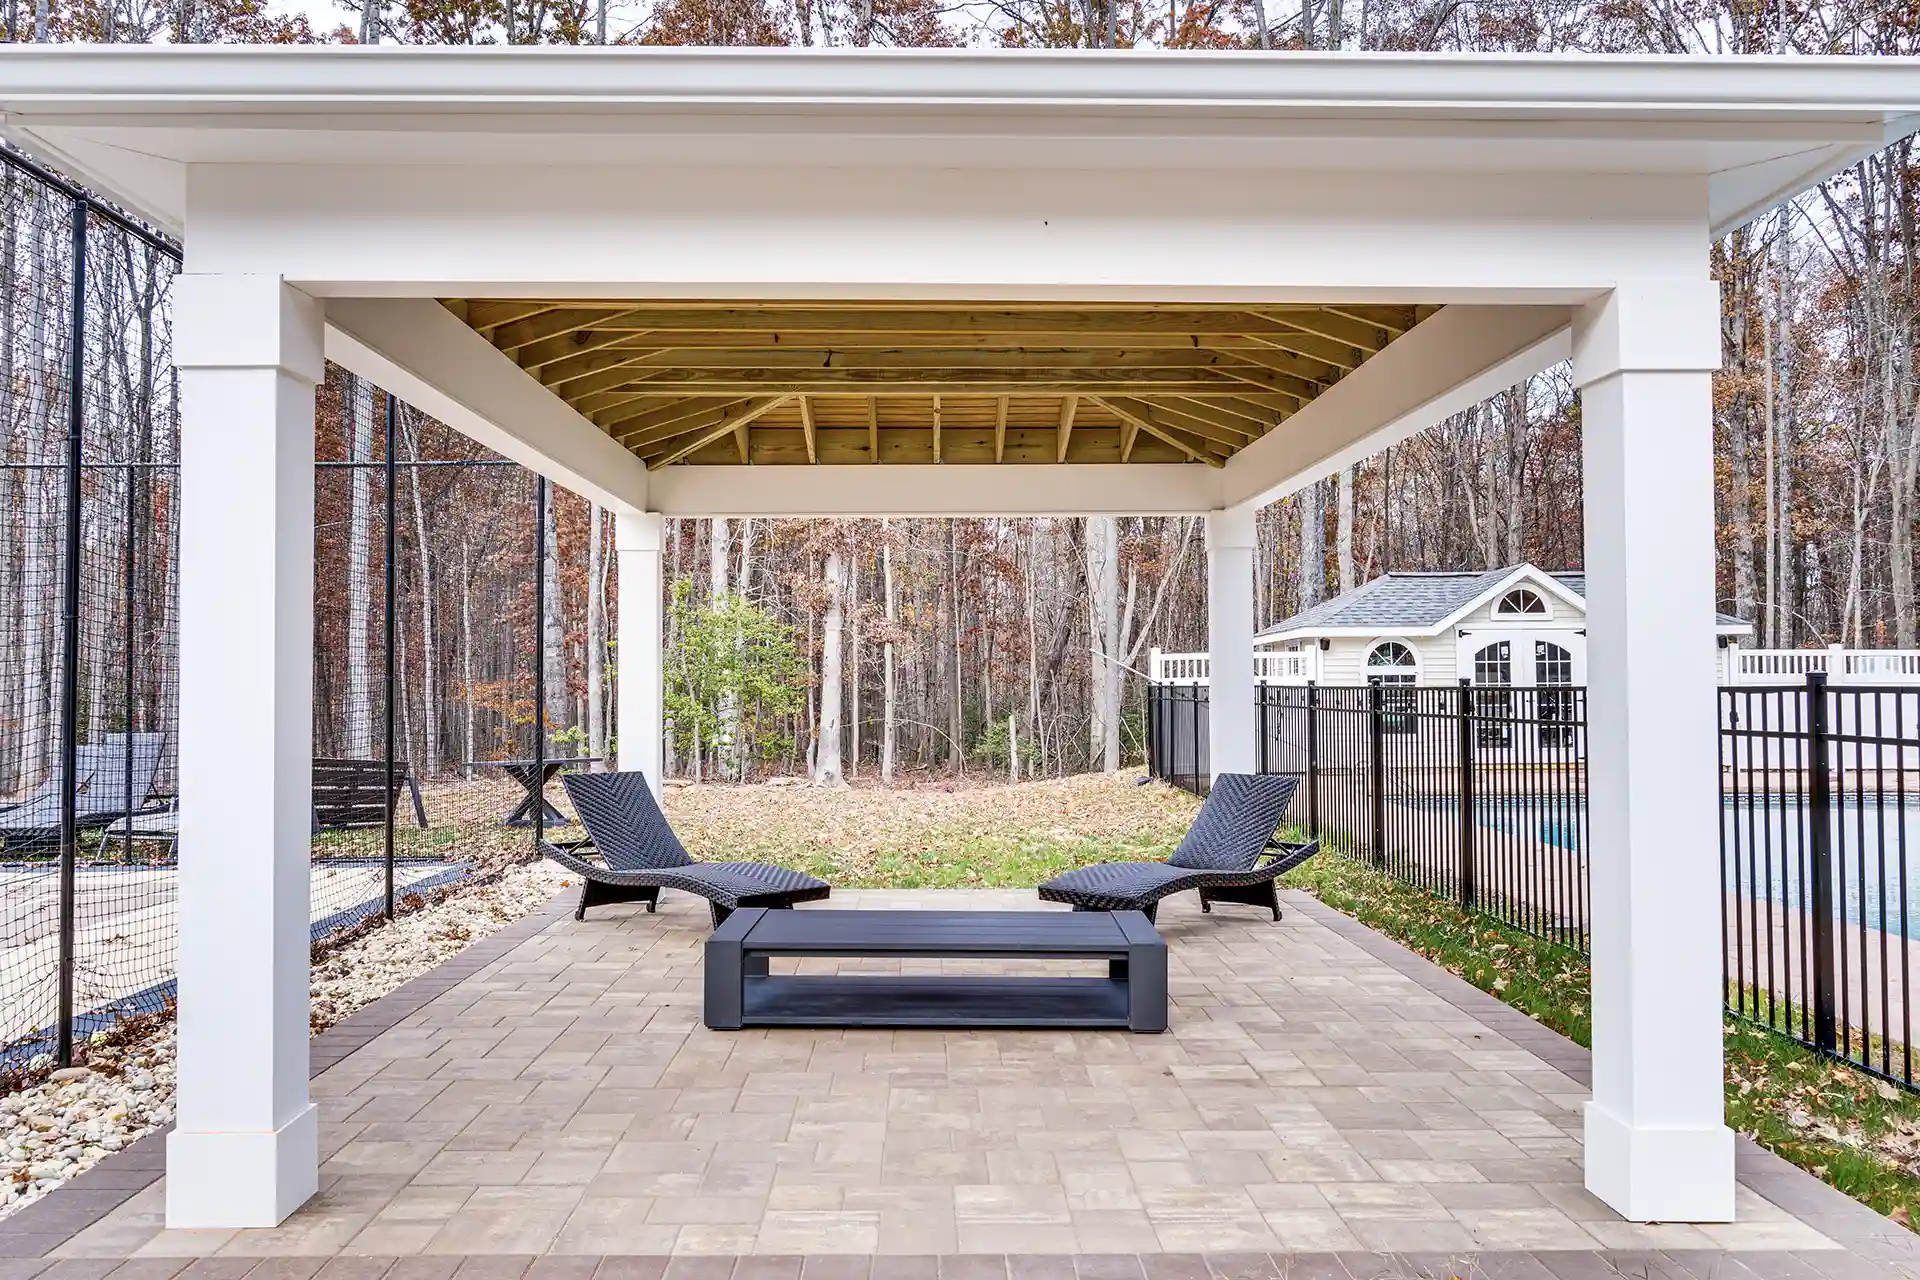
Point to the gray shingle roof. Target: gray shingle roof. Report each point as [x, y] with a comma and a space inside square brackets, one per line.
[1414, 601]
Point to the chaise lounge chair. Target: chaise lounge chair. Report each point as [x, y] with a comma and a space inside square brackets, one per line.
[1229, 855]
[640, 855]
[114, 778]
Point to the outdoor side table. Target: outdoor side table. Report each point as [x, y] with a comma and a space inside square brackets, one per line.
[742, 992]
[533, 776]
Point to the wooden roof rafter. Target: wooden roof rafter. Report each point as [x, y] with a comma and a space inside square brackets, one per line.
[713, 382]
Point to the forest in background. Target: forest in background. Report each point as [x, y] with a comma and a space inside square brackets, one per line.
[975, 631]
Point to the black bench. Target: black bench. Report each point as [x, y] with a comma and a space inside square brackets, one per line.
[742, 992]
[353, 794]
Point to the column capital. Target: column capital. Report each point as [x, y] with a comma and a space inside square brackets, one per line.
[247, 322]
[1648, 326]
[638, 531]
[1231, 527]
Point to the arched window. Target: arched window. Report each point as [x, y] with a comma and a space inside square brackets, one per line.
[1391, 662]
[1392, 666]
[1521, 602]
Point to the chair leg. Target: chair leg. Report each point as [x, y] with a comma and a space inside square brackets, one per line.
[719, 912]
[595, 893]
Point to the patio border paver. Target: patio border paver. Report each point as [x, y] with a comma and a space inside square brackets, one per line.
[1871, 1244]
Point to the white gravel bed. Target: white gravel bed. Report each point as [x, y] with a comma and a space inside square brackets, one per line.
[63, 1127]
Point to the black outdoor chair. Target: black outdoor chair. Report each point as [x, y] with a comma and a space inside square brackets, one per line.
[112, 778]
[1229, 855]
[640, 855]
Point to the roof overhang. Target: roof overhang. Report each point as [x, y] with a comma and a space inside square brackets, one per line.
[129, 119]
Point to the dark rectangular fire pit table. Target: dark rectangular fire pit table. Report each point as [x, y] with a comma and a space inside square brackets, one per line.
[741, 992]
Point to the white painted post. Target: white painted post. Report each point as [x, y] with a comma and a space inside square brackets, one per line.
[1230, 695]
[245, 1149]
[1657, 1145]
[638, 654]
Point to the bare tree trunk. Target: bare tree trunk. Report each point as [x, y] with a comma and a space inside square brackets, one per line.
[889, 739]
[466, 651]
[853, 691]
[1103, 607]
[1343, 545]
[956, 717]
[1313, 547]
[358, 738]
[717, 584]
[553, 630]
[429, 639]
[597, 624]
[826, 754]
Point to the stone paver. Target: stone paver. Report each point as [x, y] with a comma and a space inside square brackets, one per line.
[1324, 1103]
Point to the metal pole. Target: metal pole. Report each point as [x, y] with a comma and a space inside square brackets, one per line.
[392, 641]
[1820, 852]
[1468, 890]
[539, 660]
[70, 626]
[1376, 730]
[1313, 761]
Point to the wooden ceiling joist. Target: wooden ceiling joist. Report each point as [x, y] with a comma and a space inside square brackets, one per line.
[816, 383]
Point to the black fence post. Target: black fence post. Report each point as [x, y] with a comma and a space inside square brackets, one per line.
[392, 643]
[539, 662]
[1260, 716]
[70, 634]
[1820, 853]
[1153, 734]
[1376, 732]
[1468, 889]
[1313, 761]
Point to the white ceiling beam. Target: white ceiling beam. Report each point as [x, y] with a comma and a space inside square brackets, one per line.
[416, 349]
[1456, 358]
[851, 490]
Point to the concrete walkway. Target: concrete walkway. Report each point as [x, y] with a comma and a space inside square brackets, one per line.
[1324, 1099]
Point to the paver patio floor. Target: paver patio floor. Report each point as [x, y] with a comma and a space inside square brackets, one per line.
[1318, 1091]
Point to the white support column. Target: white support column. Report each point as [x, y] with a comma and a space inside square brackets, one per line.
[1230, 704]
[245, 1151]
[1657, 1145]
[638, 654]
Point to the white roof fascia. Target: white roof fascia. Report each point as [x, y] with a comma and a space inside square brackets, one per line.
[1521, 573]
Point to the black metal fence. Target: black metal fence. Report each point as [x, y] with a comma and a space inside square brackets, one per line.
[440, 666]
[1820, 809]
[1479, 794]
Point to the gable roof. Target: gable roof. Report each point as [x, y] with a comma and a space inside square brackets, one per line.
[1425, 603]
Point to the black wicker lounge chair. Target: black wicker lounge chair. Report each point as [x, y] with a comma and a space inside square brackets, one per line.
[640, 855]
[1229, 855]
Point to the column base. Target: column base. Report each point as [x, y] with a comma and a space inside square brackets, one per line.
[1660, 1175]
[232, 1180]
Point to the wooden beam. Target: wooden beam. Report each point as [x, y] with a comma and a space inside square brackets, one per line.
[575, 342]
[1321, 373]
[730, 422]
[1129, 432]
[484, 315]
[1080, 318]
[806, 425]
[873, 427]
[1000, 429]
[1354, 333]
[1168, 418]
[663, 415]
[865, 382]
[552, 322]
[1157, 433]
[936, 430]
[1064, 433]
[1201, 411]
[648, 351]
[708, 416]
